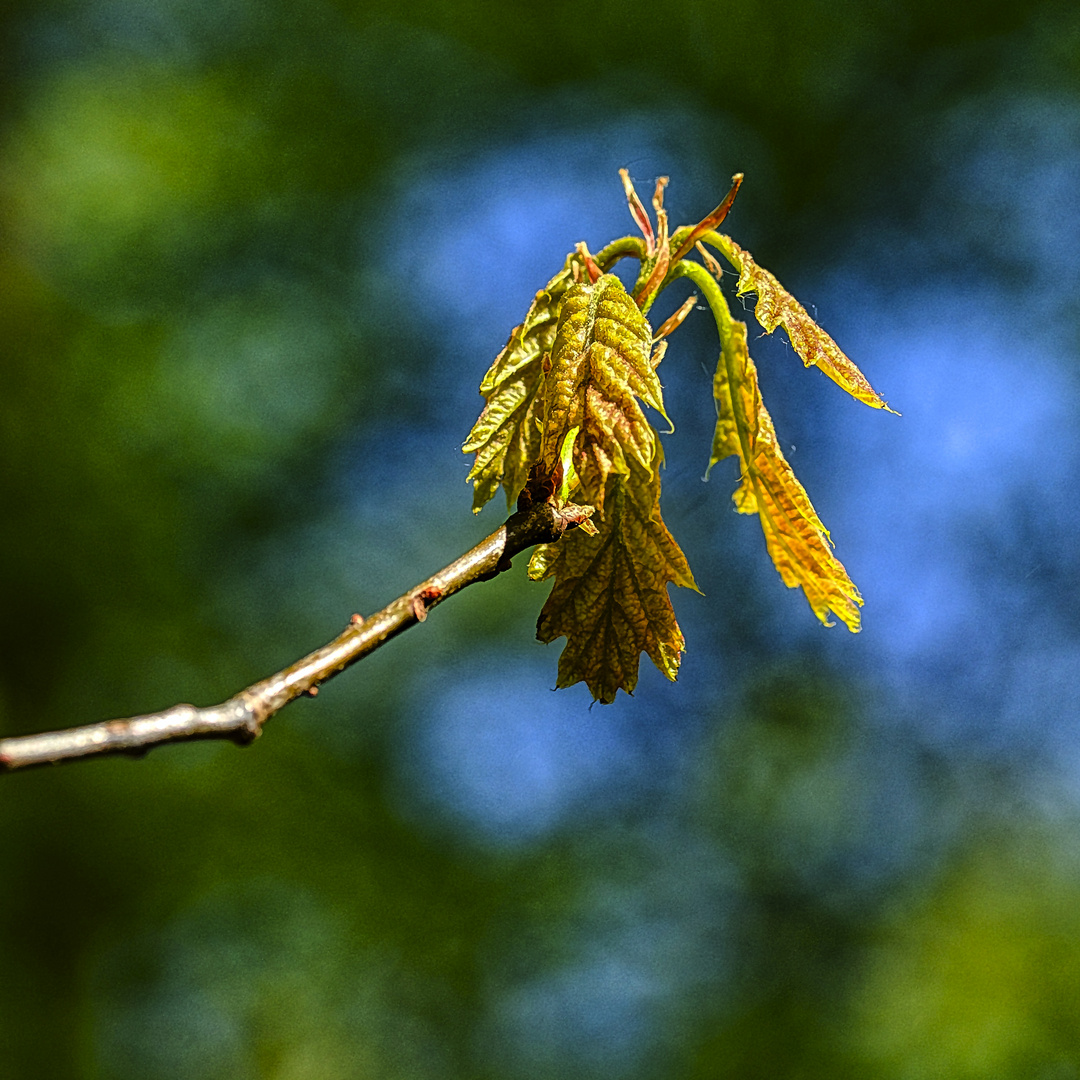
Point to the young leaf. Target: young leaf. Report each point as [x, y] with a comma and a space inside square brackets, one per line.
[794, 535]
[777, 307]
[506, 437]
[610, 598]
[600, 369]
[610, 595]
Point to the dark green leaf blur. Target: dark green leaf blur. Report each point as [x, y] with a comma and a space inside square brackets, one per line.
[254, 260]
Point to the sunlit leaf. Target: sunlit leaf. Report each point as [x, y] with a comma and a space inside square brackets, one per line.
[610, 595]
[506, 437]
[777, 307]
[600, 370]
[794, 535]
[610, 598]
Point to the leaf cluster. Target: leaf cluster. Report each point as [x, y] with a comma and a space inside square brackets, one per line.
[564, 419]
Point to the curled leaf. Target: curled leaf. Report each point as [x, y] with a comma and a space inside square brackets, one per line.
[647, 293]
[673, 322]
[610, 599]
[777, 307]
[796, 539]
[506, 437]
[638, 212]
[709, 222]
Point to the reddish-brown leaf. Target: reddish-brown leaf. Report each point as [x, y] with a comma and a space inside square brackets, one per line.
[610, 598]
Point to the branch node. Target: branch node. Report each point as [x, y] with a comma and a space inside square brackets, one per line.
[248, 733]
[253, 710]
[572, 516]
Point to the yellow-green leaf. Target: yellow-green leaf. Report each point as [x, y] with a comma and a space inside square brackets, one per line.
[610, 599]
[506, 437]
[777, 307]
[600, 370]
[794, 535]
[610, 596]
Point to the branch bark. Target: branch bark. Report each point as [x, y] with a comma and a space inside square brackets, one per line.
[242, 717]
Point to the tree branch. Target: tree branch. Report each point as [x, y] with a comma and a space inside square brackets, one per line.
[241, 718]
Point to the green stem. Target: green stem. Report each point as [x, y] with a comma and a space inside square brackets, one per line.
[619, 249]
[724, 324]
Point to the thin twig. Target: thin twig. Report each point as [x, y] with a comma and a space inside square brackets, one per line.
[241, 718]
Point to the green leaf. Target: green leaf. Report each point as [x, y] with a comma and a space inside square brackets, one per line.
[797, 541]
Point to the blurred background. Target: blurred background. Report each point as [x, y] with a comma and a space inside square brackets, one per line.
[254, 260]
